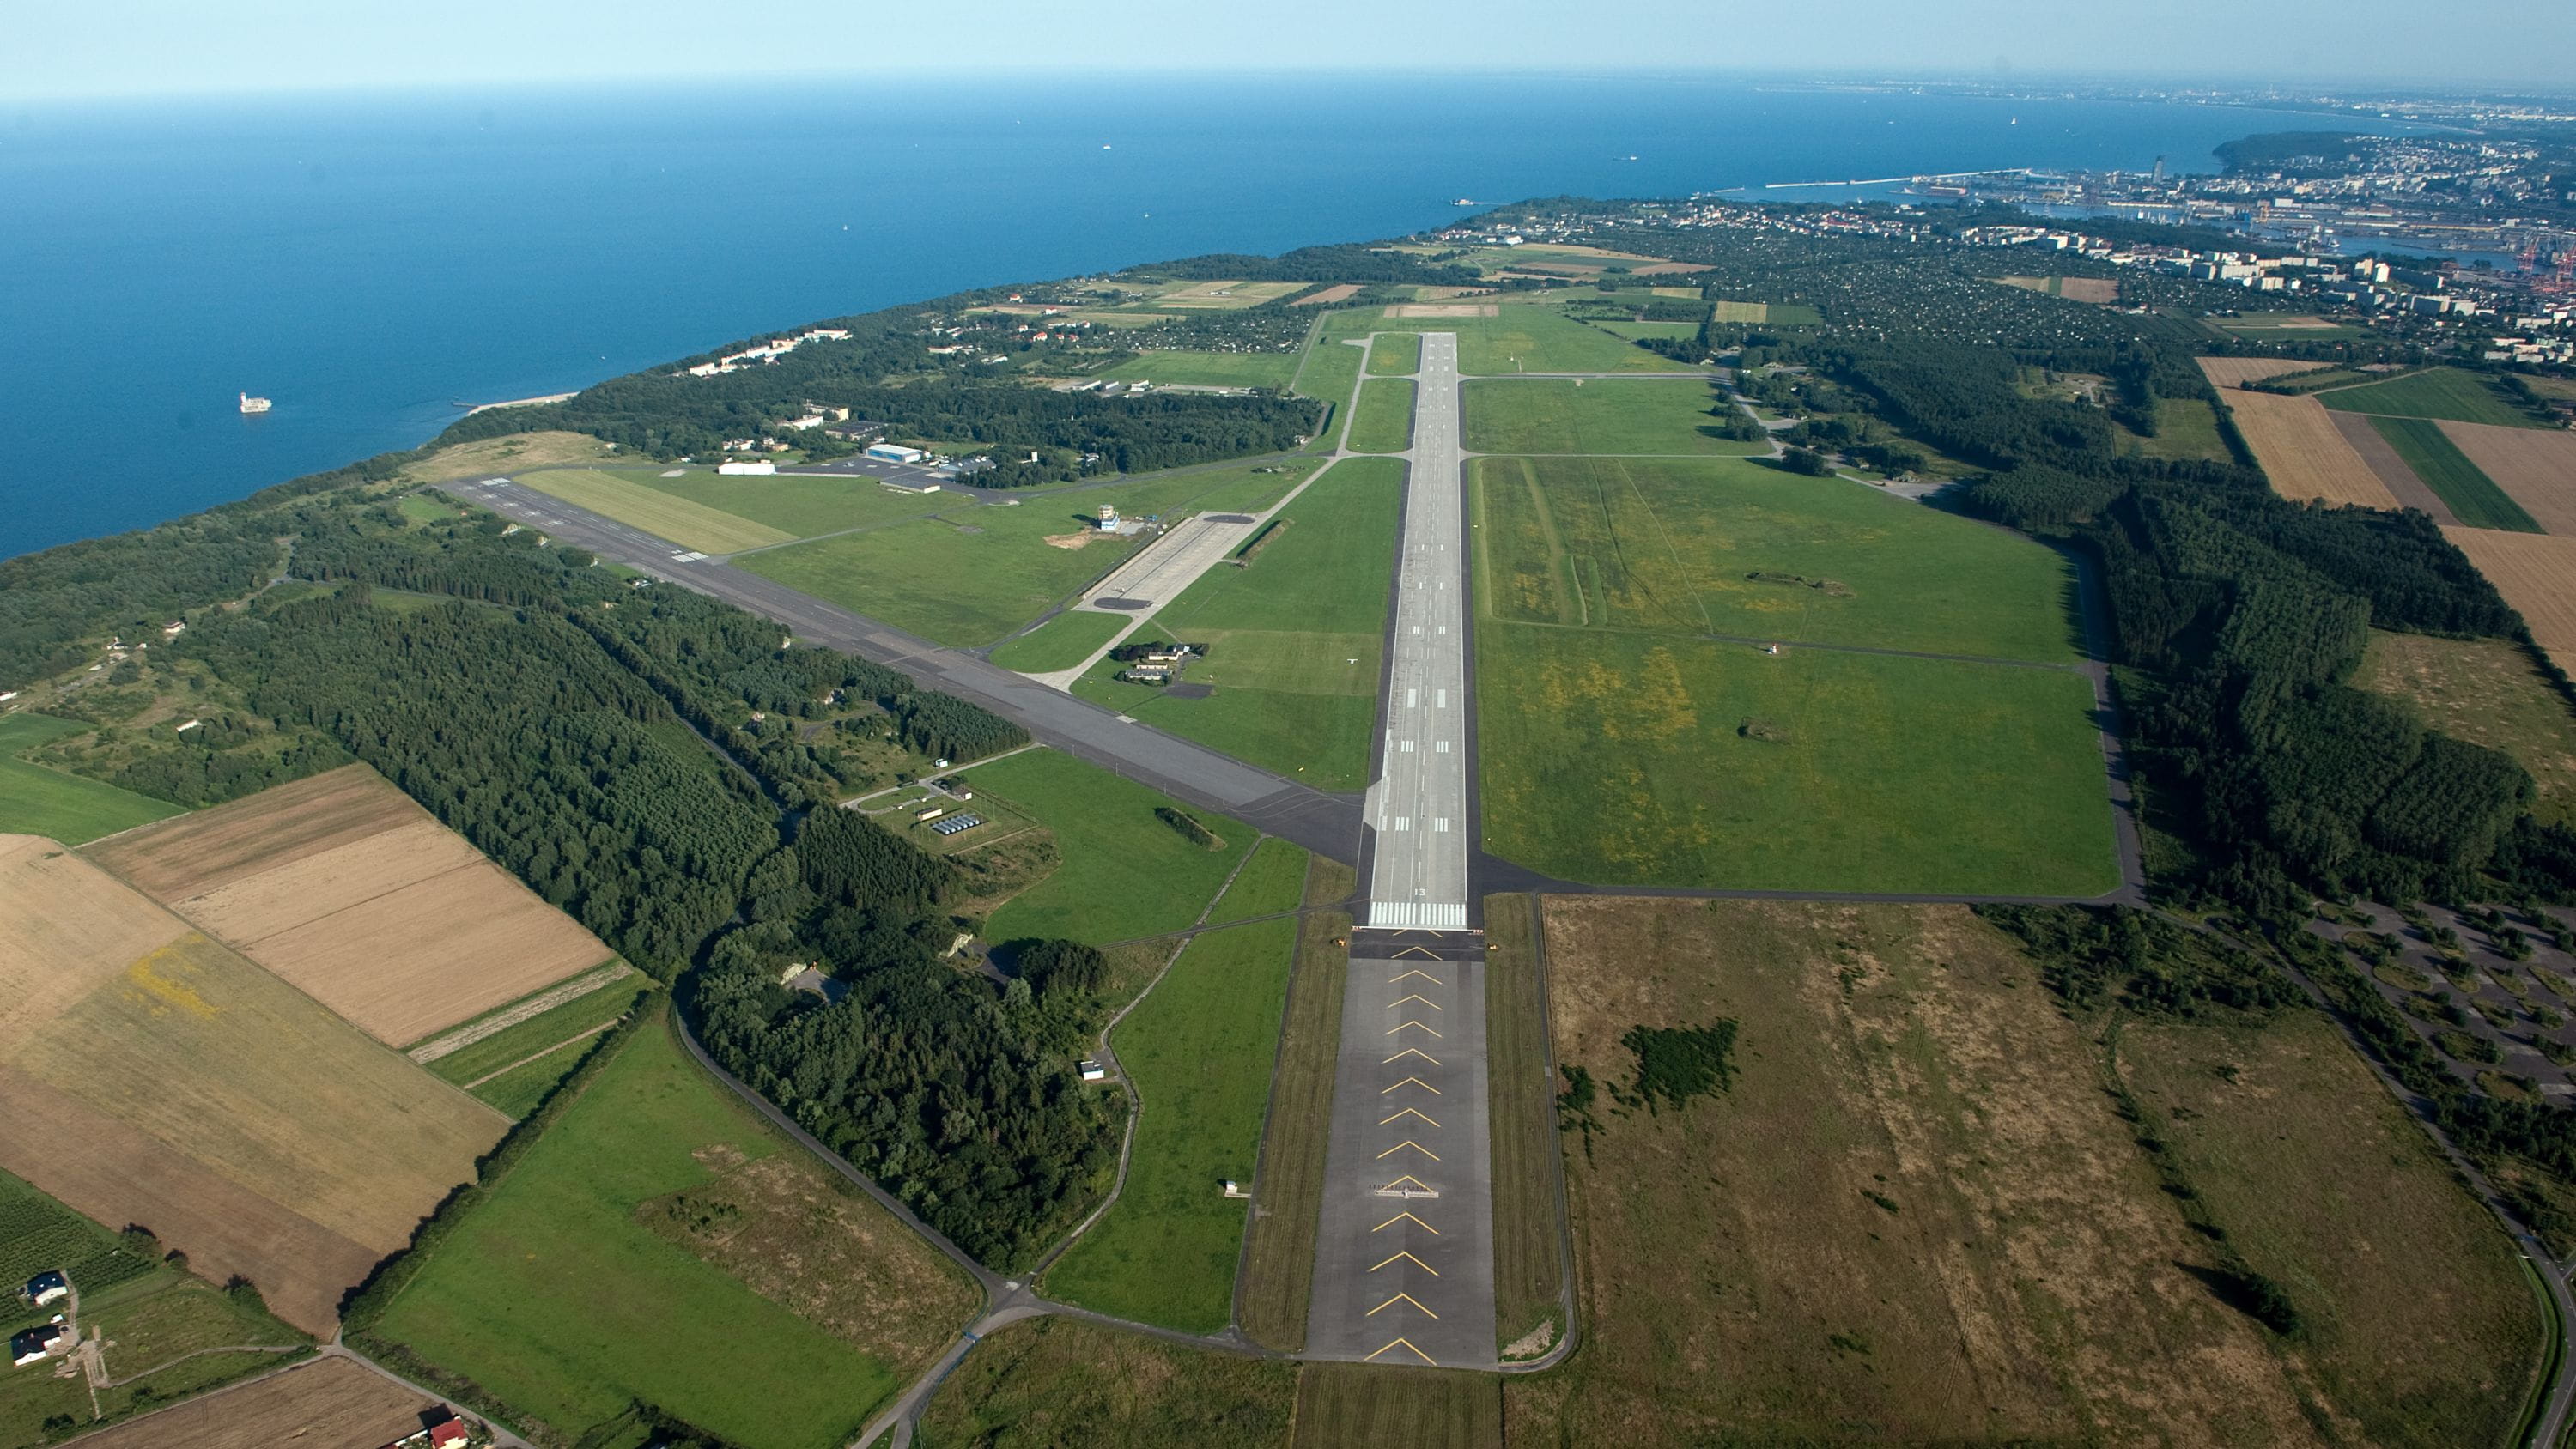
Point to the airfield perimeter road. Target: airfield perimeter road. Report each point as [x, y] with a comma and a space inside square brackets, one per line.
[1326, 824]
[1404, 1251]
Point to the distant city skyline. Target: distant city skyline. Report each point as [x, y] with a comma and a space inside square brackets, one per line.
[162, 47]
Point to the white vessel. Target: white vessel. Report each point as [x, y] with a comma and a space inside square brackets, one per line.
[251, 404]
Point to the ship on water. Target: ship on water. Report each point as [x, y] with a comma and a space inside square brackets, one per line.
[251, 404]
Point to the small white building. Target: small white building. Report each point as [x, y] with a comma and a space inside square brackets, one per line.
[739, 469]
[1093, 1071]
[895, 453]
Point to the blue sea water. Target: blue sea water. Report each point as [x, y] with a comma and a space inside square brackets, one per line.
[367, 261]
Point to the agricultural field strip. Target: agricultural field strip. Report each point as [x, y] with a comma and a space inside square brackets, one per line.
[2535, 468]
[581, 1036]
[510, 1016]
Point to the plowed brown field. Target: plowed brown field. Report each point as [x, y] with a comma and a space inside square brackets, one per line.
[178, 1086]
[343, 886]
[2103, 290]
[2226, 372]
[2306, 456]
[2536, 573]
[332, 1403]
[2535, 465]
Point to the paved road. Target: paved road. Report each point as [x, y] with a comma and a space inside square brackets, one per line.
[1404, 1256]
[1326, 824]
[1418, 806]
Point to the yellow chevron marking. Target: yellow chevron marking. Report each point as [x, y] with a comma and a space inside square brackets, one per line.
[1412, 1052]
[1408, 1142]
[1401, 1181]
[1401, 1298]
[1425, 975]
[1408, 1348]
[1417, 1262]
[1406, 1217]
[1412, 1082]
[1425, 952]
[1401, 1025]
[1407, 1112]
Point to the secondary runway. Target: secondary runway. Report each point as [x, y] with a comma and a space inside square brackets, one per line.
[1326, 824]
[1418, 807]
[1404, 1250]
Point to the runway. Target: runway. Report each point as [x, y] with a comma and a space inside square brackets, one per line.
[1404, 1255]
[1418, 807]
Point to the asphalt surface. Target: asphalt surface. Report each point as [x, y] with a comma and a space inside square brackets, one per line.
[1326, 824]
[1404, 1252]
[1418, 806]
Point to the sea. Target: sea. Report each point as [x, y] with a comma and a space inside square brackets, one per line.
[374, 261]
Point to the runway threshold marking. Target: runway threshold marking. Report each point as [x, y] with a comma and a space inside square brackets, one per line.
[1408, 1112]
[1411, 1052]
[1408, 1257]
[1403, 1298]
[1411, 1081]
[1408, 1347]
[1405, 1216]
[1408, 1142]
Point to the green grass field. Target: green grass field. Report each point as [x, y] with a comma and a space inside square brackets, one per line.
[1198, 1050]
[1383, 422]
[972, 574]
[2186, 428]
[553, 1297]
[1125, 873]
[1597, 415]
[1296, 637]
[1208, 369]
[37, 801]
[2436, 392]
[1271, 881]
[799, 507]
[1060, 643]
[2474, 497]
[1395, 355]
[498, 1068]
[1634, 331]
[1626, 758]
[683, 521]
[1329, 371]
[1675, 545]
[1519, 339]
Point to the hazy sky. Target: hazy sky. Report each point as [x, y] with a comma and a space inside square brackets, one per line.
[126, 47]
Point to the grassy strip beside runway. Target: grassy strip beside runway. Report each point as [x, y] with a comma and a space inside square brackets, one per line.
[1384, 421]
[1599, 415]
[1529, 1277]
[1396, 354]
[683, 521]
[1198, 1051]
[1061, 642]
[1208, 369]
[1279, 1262]
[1519, 338]
[1631, 759]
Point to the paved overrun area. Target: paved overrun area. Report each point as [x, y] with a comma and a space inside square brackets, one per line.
[1404, 1252]
[1326, 824]
[1163, 568]
[1418, 806]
